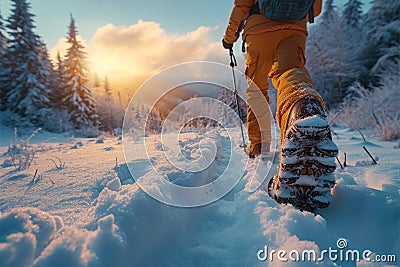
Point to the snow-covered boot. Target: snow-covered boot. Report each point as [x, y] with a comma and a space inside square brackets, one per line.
[307, 159]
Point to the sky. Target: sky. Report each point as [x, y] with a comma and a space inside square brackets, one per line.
[130, 40]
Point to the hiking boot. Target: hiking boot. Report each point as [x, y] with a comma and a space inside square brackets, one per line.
[255, 151]
[259, 149]
[307, 159]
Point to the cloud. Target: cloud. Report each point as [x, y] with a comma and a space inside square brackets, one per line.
[128, 55]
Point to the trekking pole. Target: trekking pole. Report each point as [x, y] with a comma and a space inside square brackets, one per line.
[233, 63]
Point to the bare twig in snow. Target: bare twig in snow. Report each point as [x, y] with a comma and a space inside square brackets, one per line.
[51, 181]
[369, 154]
[341, 166]
[60, 165]
[355, 128]
[34, 177]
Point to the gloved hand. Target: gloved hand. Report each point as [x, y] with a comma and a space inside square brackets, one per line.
[226, 45]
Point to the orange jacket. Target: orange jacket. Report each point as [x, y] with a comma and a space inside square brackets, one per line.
[259, 23]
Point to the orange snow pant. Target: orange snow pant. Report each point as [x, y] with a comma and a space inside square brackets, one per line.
[278, 55]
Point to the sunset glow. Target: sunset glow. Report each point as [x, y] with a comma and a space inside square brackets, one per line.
[128, 55]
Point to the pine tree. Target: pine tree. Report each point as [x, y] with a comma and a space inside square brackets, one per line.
[353, 42]
[26, 91]
[3, 73]
[330, 13]
[154, 122]
[96, 82]
[352, 14]
[383, 32]
[120, 99]
[47, 76]
[58, 94]
[109, 110]
[228, 97]
[107, 87]
[324, 54]
[78, 98]
[3, 39]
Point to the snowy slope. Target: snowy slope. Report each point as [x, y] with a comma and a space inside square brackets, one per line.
[92, 213]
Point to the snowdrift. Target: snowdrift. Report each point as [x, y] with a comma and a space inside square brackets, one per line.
[95, 214]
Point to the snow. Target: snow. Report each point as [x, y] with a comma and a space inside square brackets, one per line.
[91, 212]
[7, 136]
[313, 121]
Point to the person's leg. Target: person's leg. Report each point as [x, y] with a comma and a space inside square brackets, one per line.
[290, 77]
[307, 153]
[259, 62]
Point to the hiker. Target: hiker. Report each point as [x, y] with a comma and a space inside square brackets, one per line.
[276, 49]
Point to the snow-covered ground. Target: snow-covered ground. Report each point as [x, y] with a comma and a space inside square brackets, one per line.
[90, 212]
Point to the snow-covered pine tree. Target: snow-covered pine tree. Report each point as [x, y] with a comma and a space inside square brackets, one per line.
[135, 116]
[96, 82]
[57, 117]
[3, 39]
[97, 88]
[47, 74]
[228, 97]
[353, 43]
[352, 14]
[58, 93]
[330, 13]
[154, 122]
[26, 92]
[3, 74]
[120, 99]
[110, 112]
[78, 100]
[383, 33]
[107, 87]
[324, 53]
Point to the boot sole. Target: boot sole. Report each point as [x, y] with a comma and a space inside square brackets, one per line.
[305, 174]
[303, 197]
